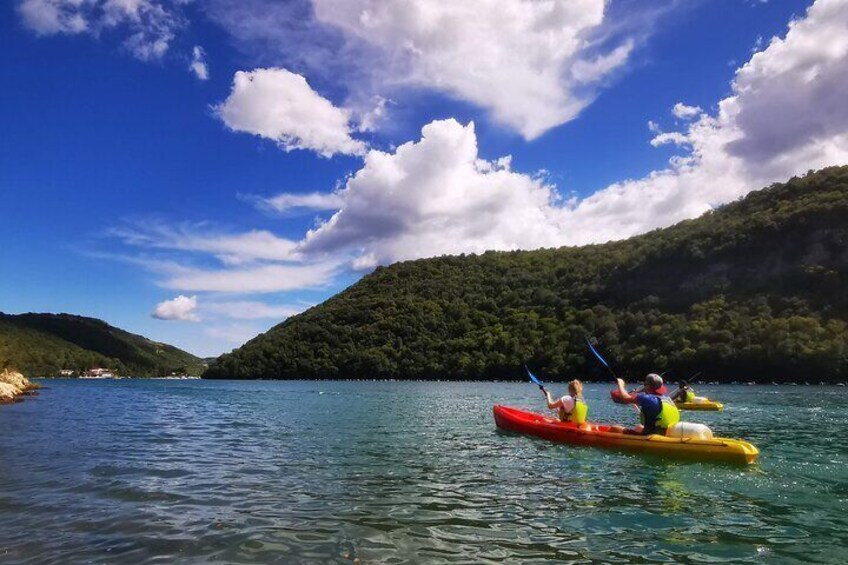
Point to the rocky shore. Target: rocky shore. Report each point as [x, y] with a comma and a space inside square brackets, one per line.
[13, 384]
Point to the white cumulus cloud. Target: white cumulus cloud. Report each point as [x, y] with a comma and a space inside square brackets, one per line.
[534, 65]
[180, 308]
[674, 137]
[436, 196]
[280, 105]
[150, 25]
[684, 112]
[198, 63]
[47, 17]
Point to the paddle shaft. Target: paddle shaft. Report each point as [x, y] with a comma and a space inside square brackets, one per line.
[603, 361]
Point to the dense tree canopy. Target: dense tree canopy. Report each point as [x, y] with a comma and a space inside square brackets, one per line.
[44, 344]
[754, 290]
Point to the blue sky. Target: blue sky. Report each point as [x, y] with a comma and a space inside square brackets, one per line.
[172, 202]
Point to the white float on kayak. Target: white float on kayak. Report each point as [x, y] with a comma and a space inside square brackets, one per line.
[690, 430]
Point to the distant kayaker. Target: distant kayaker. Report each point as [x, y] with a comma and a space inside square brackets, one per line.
[658, 412]
[571, 407]
[684, 393]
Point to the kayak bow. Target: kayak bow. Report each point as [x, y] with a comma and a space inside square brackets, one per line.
[596, 435]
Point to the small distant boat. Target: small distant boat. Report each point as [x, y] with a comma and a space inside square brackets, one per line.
[703, 405]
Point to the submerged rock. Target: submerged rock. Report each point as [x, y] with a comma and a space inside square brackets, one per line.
[13, 384]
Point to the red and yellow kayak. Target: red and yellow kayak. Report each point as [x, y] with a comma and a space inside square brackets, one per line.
[596, 435]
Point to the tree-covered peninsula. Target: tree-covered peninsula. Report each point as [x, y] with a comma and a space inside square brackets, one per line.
[46, 344]
[756, 290]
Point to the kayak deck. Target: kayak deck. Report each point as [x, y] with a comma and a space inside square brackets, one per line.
[710, 405]
[596, 435]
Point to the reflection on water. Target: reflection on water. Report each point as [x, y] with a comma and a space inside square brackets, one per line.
[304, 472]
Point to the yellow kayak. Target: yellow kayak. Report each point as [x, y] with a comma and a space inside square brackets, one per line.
[596, 435]
[710, 405]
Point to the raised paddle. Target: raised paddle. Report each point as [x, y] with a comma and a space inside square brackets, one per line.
[603, 361]
[534, 379]
[600, 358]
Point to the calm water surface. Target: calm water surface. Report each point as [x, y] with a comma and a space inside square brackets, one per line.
[334, 472]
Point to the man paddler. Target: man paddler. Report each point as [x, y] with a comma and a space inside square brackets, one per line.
[658, 412]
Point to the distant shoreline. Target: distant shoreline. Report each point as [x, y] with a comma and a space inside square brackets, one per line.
[66, 378]
[501, 381]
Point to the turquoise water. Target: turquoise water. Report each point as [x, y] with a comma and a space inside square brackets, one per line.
[383, 472]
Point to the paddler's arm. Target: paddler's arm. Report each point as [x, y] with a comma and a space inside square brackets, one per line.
[626, 397]
[551, 402]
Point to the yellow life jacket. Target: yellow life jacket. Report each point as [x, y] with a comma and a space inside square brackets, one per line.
[669, 415]
[578, 413]
[690, 396]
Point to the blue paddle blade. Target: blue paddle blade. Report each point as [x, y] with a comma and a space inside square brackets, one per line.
[598, 355]
[533, 378]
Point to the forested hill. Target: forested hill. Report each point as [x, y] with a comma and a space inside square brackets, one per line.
[755, 290]
[43, 344]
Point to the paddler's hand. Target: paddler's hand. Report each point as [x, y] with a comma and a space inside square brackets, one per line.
[621, 390]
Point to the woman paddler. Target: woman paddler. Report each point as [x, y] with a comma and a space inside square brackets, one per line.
[571, 407]
[657, 411]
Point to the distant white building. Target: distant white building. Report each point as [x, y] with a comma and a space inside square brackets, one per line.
[66, 372]
[98, 373]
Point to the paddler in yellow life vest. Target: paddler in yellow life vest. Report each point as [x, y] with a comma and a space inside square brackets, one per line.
[684, 393]
[572, 407]
[657, 411]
